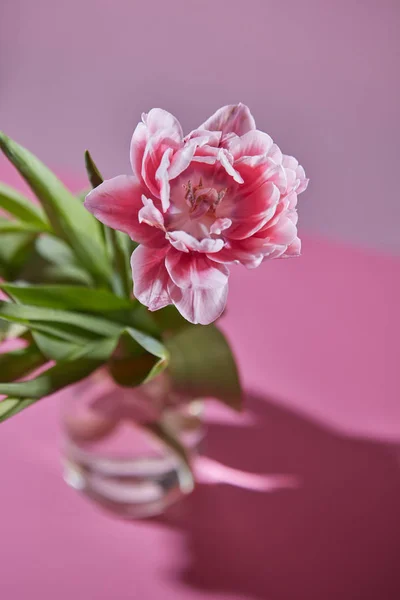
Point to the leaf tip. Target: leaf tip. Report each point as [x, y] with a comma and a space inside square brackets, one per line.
[93, 172]
[3, 139]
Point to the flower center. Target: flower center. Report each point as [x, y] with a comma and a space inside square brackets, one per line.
[202, 200]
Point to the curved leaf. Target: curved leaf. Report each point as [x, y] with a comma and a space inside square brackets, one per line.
[12, 226]
[18, 363]
[54, 379]
[122, 254]
[68, 217]
[10, 331]
[118, 244]
[63, 331]
[54, 250]
[202, 365]
[54, 348]
[12, 406]
[17, 205]
[132, 369]
[29, 314]
[51, 260]
[149, 343]
[66, 297]
[93, 173]
[63, 373]
[63, 274]
[169, 319]
[15, 249]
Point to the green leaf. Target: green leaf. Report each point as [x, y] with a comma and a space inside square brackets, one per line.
[93, 173]
[66, 297]
[149, 343]
[101, 350]
[53, 261]
[58, 348]
[129, 368]
[11, 245]
[154, 347]
[63, 275]
[10, 331]
[64, 373]
[131, 371]
[169, 319]
[54, 250]
[122, 254]
[69, 333]
[96, 179]
[141, 318]
[12, 226]
[54, 348]
[17, 205]
[202, 365]
[75, 327]
[69, 218]
[118, 243]
[49, 382]
[18, 363]
[19, 313]
[21, 395]
[15, 249]
[12, 406]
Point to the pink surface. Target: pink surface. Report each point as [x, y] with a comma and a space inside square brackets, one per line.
[317, 342]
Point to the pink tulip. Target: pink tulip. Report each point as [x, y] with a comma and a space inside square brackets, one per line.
[223, 194]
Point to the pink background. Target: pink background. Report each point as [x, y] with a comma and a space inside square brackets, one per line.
[321, 76]
[317, 338]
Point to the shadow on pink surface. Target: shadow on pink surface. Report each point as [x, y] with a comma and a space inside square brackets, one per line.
[334, 536]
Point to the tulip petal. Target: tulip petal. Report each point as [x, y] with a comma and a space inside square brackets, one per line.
[150, 277]
[220, 225]
[181, 160]
[116, 203]
[138, 146]
[294, 249]
[159, 119]
[223, 158]
[195, 270]
[249, 252]
[250, 212]
[163, 179]
[202, 137]
[234, 118]
[185, 242]
[198, 286]
[237, 252]
[257, 170]
[151, 161]
[284, 232]
[289, 161]
[252, 143]
[276, 154]
[303, 181]
[150, 214]
[199, 306]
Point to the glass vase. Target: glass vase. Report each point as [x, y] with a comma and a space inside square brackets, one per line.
[112, 450]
